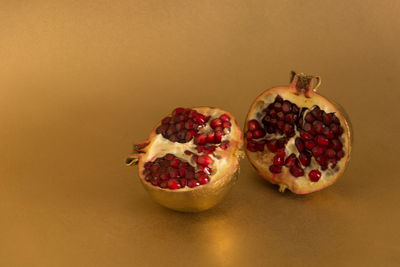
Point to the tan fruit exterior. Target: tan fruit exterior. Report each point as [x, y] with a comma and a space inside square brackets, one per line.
[262, 160]
[202, 197]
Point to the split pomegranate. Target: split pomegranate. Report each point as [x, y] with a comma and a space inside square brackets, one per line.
[296, 138]
[191, 158]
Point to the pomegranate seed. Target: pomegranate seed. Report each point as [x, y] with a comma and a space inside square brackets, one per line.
[210, 137]
[175, 163]
[309, 118]
[218, 137]
[189, 174]
[182, 172]
[314, 175]
[330, 153]
[166, 120]
[200, 139]
[336, 144]
[179, 126]
[327, 118]
[169, 157]
[275, 169]
[193, 183]
[278, 106]
[322, 161]
[318, 126]
[156, 182]
[200, 174]
[289, 118]
[335, 119]
[266, 119]
[204, 180]
[328, 133]
[252, 146]
[171, 130]
[204, 160]
[215, 123]
[189, 124]
[296, 170]
[173, 184]
[253, 125]
[317, 151]
[225, 117]
[279, 160]
[226, 124]
[272, 145]
[290, 160]
[164, 184]
[322, 140]
[165, 176]
[189, 135]
[258, 133]
[305, 158]
[299, 144]
[317, 113]
[249, 135]
[272, 113]
[306, 136]
[260, 146]
[147, 165]
[281, 124]
[280, 116]
[199, 118]
[287, 129]
[146, 172]
[178, 111]
[281, 153]
[340, 154]
[282, 142]
[308, 128]
[270, 130]
[183, 118]
[182, 136]
[309, 144]
[286, 106]
[334, 128]
[173, 173]
[183, 182]
[205, 169]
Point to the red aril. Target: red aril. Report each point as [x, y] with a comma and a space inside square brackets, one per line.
[191, 158]
[310, 129]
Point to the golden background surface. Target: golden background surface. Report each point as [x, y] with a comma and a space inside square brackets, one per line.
[80, 81]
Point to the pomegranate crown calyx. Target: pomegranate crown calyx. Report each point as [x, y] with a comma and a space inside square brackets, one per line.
[305, 83]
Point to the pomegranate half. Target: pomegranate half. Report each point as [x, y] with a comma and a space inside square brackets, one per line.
[191, 158]
[296, 138]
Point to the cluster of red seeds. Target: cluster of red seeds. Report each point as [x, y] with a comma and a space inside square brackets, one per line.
[174, 173]
[182, 126]
[280, 117]
[319, 137]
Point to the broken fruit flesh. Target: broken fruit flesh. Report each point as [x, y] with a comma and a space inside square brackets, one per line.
[190, 160]
[312, 133]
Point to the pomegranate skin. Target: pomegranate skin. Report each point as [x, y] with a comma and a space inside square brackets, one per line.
[306, 97]
[198, 198]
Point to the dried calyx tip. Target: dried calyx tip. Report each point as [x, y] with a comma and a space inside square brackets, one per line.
[304, 83]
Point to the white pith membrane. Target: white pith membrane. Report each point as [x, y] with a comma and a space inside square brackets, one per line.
[225, 162]
[262, 160]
